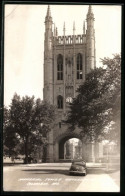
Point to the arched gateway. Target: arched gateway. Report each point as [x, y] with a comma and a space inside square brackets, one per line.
[60, 142]
[67, 59]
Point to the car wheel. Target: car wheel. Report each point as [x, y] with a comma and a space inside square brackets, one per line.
[84, 174]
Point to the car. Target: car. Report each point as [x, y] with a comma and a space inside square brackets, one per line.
[30, 159]
[78, 167]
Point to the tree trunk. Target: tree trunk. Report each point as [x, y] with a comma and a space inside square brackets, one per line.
[26, 150]
[44, 154]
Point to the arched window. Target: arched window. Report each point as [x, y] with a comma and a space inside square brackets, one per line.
[59, 124]
[60, 102]
[60, 67]
[79, 66]
[69, 100]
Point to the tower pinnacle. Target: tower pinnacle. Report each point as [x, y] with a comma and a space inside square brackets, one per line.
[48, 11]
[74, 28]
[64, 29]
[84, 27]
[90, 40]
[48, 15]
[90, 9]
[90, 12]
[56, 32]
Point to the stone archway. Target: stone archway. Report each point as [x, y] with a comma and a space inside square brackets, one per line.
[60, 141]
[62, 146]
[70, 148]
[90, 151]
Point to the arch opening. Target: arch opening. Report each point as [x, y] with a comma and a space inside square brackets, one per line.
[70, 148]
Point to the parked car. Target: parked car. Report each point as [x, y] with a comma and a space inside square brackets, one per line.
[30, 159]
[78, 167]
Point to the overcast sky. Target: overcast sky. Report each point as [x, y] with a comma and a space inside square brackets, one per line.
[24, 41]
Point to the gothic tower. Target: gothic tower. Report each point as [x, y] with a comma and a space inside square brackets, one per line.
[48, 58]
[90, 40]
[67, 60]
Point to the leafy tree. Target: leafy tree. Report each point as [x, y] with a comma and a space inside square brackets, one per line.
[10, 140]
[26, 117]
[96, 108]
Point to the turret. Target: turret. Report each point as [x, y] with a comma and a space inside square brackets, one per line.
[48, 61]
[83, 27]
[48, 31]
[74, 28]
[90, 40]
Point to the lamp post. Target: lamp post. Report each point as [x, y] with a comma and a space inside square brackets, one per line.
[108, 153]
[107, 166]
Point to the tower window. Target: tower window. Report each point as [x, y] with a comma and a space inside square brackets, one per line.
[59, 124]
[60, 102]
[79, 66]
[60, 67]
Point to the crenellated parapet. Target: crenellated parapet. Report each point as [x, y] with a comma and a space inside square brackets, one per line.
[70, 39]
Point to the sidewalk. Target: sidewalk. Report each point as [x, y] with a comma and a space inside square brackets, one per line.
[91, 164]
[65, 164]
[109, 181]
[98, 183]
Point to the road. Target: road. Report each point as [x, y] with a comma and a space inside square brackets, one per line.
[55, 177]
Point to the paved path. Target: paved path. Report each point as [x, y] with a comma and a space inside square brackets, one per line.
[98, 183]
[55, 177]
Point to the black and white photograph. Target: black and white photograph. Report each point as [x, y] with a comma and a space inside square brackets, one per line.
[62, 97]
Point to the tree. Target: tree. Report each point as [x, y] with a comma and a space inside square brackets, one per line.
[25, 118]
[111, 95]
[9, 137]
[96, 108]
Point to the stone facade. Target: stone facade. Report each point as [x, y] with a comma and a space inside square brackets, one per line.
[67, 60]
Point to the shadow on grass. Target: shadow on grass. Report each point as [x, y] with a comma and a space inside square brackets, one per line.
[64, 171]
[47, 171]
[12, 164]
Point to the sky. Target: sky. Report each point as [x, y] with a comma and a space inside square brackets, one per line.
[24, 41]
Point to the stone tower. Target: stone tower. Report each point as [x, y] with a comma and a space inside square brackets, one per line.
[67, 60]
[48, 58]
[90, 41]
